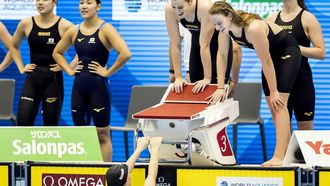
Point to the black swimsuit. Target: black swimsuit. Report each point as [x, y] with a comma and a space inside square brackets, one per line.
[42, 85]
[195, 62]
[285, 55]
[302, 97]
[90, 92]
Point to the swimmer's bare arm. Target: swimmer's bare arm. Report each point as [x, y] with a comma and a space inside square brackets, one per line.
[5, 38]
[119, 44]
[314, 32]
[235, 68]
[175, 47]
[18, 37]
[62, 46]
[206, 33]
[141, 144]
[222, 56]
[154, 146]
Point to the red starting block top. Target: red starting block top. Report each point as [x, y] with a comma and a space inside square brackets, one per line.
[178, 106]
[188, 96]
[171, 111]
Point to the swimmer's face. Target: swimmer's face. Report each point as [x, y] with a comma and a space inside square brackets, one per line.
[45, 6]
[221, 22]
[88, 8]
[179, 7]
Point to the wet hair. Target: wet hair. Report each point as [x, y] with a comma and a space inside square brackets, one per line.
[240, 17]
[302, 4]
[117, 175]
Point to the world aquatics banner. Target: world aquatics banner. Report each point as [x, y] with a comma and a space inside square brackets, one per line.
[17, 9]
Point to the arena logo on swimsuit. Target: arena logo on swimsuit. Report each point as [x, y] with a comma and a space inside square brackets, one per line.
[261, 7]
[289, 29]
[43, 33]
[286, 27]
[192, 27]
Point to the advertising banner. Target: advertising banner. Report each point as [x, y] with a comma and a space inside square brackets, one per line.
[49, 144]
[322, 176]
[17, 9]
[75, 174]
[138, 9]
[145, 10]
[310, 147]
[5, 174]
[261, 7]
[228, 177]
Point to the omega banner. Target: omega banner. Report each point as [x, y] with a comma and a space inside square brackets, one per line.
[51, 174]
[154, 9]
[49, 144]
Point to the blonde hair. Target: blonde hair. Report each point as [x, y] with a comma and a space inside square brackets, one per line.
[240, 17]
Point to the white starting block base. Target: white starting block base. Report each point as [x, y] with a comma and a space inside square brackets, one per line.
[199, 140]
[212, 147]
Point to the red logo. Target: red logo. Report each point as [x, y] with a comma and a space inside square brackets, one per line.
[223, 143]
[73, 180]
[319, 147]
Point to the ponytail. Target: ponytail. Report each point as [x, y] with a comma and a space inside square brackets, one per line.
[302, 5]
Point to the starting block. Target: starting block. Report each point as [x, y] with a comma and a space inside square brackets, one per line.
[193, 132]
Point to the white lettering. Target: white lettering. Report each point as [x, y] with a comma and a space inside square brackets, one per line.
[45, 134]
[40, 148]
[261, 8]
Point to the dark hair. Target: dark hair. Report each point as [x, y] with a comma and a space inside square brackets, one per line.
[240, 17]
[98, 1]
[302, 5]
[117, 175]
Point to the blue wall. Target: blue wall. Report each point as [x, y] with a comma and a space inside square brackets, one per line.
[148, 42]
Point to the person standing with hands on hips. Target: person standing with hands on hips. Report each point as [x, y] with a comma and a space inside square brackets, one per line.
[44, 79]
[92, 39]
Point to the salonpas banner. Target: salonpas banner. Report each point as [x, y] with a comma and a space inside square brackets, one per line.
[49, 144]
[154, 9]
[261, 7]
